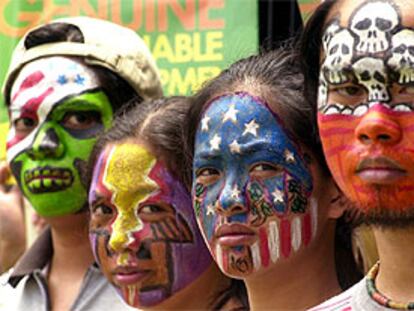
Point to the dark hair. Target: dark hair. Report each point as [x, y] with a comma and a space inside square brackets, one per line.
[277, 75]
[117, 89]
[310, 49]
[154, 122]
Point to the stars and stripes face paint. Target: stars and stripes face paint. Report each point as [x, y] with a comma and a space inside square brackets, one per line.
[252, 190]
[142, 229]
[366, 106]
[57, 110]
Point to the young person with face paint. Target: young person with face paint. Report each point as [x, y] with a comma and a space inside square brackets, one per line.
[263, 198]
[359, 64]
[142, 228]
[64, 84]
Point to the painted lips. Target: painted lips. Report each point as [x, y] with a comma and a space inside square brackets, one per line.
[234, 235]
[380, 170]
[125, 276]
[48, 179]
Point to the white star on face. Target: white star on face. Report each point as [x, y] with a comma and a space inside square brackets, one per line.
[215, 142]
[210, 209]
[231, 114]
[289, 156]
[235, 193]
[251, 128]
[277, 196]
[234, 147]
[204, 123]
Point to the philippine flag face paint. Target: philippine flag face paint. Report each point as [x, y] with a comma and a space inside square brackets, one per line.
[252, 189]
[366, 107]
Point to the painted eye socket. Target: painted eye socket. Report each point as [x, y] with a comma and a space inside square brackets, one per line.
[23, 126]
[265, 170]
[150, 209]
[407, 90]
[207, 175]
[350, 90]
[81, 120]
[102, 210]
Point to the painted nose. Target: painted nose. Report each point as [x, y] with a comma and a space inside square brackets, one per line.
[377, 127]
[231, 201]
[47, 144]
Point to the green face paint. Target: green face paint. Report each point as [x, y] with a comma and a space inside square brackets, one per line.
[48, 161]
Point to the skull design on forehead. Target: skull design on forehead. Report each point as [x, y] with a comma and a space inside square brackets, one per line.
[372, 23]
[402, 58]
[370, 73]
[330, 31]
[338, 56]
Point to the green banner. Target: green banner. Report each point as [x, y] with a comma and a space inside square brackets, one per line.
[191, 40]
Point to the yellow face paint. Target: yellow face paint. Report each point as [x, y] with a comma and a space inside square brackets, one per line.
[126, 176]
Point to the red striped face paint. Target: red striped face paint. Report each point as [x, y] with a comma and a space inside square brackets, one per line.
[366, 106]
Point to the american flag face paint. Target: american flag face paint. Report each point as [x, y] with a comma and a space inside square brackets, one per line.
[252, 190]
[57, 109]
[366, 106]
[142, 229]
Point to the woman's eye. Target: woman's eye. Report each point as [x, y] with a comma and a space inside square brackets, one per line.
[102, 209]
[24, 126]
[81, 120]
[264, 170]
[149, 209]
[207, 176]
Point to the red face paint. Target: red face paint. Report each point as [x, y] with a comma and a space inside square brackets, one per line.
[372, 156]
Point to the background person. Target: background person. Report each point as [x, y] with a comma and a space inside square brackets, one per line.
[65, 82]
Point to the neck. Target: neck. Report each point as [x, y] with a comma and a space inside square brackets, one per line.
[71, 247]
[198, 295]
[285, 286]
[396, 272]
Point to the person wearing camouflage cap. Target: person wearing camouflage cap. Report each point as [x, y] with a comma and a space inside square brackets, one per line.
[65, 82]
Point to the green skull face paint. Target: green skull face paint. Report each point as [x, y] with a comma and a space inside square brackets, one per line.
[57, 110]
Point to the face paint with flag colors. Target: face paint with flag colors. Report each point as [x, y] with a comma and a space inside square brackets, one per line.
[143, 231]
[366, 106]
[252, 190]
[57, 110]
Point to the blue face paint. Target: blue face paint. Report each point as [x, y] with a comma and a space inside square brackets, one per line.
[248, 173]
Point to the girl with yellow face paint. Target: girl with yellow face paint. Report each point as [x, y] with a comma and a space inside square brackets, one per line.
[142, 228]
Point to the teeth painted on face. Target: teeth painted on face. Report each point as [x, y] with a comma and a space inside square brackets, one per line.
[402, 108]
[43, 180]
[347, 111]
[360, 110]
[332, 109]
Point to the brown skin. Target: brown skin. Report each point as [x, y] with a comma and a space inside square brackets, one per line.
[285, 284]
[12, 229]
[72, 256]
[395, 249]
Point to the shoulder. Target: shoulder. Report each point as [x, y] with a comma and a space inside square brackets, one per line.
[341, 302]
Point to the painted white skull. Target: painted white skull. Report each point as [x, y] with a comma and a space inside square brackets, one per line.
[402, 58]
[338, 57]
[370, 73]
[322, 92]
[372, 24]
[332, 29]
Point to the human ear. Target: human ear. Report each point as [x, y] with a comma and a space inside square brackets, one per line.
[338, 202]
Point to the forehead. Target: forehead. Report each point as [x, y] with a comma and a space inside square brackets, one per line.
[51, 79]
[346, 10]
